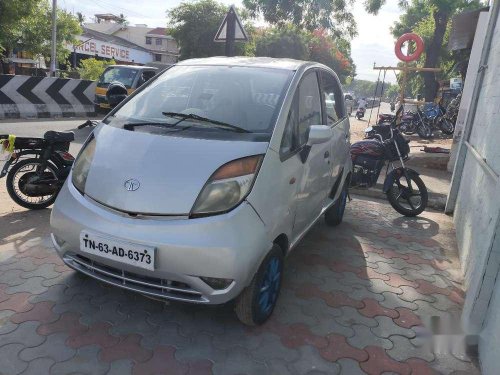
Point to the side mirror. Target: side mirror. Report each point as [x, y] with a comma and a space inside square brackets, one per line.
[319, 134]
[116, 93]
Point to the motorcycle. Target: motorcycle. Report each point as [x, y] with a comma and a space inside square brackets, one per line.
[384, 144]
[435, 115]
[360, 113]
[37, 167]
[452, 109]
[411, 123]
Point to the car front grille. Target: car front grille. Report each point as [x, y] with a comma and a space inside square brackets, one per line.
[151, 286]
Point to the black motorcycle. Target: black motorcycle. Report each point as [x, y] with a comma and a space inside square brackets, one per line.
[360, 113]
[384, 145]
[37, 167]
[411, 123]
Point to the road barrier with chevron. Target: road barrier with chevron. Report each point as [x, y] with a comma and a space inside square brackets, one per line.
[38, 97]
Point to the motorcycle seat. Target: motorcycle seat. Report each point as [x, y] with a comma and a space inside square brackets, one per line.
[54, 136]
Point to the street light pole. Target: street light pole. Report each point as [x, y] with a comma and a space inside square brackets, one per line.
[54, 36]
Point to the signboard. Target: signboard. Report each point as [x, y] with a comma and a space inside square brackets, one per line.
[456, 83]
[239, 31]
[108, 50]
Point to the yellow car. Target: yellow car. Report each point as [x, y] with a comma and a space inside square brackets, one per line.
[131, 76]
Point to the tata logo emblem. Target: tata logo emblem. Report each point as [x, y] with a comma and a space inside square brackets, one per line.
[132, 184]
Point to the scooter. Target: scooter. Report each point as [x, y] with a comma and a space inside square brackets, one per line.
[37, 167]
[360, 113]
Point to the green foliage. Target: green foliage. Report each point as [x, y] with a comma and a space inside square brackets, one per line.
[32, 32]
[11, 12]
[194, 26]
[335, 16]
[291, 42]
[366, 89]
[92, 68]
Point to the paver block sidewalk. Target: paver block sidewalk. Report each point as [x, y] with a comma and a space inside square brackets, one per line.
[355, 299]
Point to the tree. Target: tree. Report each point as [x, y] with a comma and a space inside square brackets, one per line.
[11, 12]
[431, 18]
[92, 68]
[194, 26]
[334, 16]
[81, 18]
[34, 32]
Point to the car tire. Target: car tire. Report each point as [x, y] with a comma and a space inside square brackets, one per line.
[257, 301]
[335, 214]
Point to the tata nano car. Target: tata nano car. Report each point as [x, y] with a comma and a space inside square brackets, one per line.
[197, 186]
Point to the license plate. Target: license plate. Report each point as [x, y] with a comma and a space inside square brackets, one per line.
[104, 105]
[125, 252]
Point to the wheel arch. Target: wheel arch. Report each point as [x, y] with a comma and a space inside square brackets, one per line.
[283, 243]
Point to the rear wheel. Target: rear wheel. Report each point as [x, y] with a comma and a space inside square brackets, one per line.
[408, 197]
[424, 130]
[20, 174]
[446, 126]
[257, 301]
[335, 214]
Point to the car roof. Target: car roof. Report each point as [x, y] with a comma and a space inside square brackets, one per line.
[139, 67]
[259, 62]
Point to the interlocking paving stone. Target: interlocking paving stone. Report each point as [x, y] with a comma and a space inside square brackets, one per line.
[364, 337]
[24, 334]
[393, 301]
[79, 304]
[239, 360]
[41, 312]
[12, 277]
[162, 361]
[404, 349]
[167, 335]
[350, 367]
[412, 295]
[68, 323]
[9, 359]
[127, 348]
[310, 360]
[107, 312]
[84, 362]
[32, 285]
[351, 316]
[17, 302]
[53, 347]
[39, 366]
[53, 293]
[200, 347]
[387, 328]
[379, 362]
[121, 367]
[339, 348]
[97, 334]
[46, 271]
[360, 292]
[270, 347]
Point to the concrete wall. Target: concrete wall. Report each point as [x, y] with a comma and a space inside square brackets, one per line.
[32, 97]
[477, 210]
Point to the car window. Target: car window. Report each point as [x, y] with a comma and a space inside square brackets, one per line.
[332, 97]
[289, 140]
[246, 97]
[309, 105]
[123, 75]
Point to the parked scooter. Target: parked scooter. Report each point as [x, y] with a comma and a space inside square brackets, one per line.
[37, 167]
[403, 186]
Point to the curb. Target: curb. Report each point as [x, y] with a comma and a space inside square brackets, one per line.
[435, 201]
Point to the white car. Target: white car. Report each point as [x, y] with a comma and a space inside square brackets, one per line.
[199, 184]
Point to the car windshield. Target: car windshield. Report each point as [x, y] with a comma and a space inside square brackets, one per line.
[124, 75]
[245, 97]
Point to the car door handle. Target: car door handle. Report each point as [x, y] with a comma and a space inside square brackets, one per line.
[327, 155]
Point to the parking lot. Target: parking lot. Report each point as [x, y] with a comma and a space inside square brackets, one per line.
[355, 299]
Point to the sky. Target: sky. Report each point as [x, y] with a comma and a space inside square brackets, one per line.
[374, 43]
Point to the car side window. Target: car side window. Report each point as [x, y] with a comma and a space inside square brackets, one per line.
[289, 140]
[332, 97]
[309, 105]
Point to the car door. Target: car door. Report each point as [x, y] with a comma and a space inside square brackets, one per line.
[313, 182]
[335, 116]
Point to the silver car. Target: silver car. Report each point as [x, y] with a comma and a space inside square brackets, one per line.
[197, 186]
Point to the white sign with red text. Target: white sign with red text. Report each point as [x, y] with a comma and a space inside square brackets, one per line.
[107, 50]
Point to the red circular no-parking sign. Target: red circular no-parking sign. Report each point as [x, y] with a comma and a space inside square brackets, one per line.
[409, 37]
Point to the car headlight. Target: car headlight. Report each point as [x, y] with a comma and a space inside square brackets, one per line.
[82, 164]
[227, 187]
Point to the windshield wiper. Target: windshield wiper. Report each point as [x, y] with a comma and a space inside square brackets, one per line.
[132, 125]
[222, 125]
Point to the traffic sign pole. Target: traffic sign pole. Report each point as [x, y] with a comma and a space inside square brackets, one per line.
[231, 28]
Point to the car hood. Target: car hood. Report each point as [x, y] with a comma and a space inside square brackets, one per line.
[170, 170]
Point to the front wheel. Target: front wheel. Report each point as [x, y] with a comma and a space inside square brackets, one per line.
[446, 126]
[257, 301]
[408, 194]
[424, 130]
[21, 174]
[335, 214]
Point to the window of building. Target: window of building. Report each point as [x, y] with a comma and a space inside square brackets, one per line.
[149, 40]
[159, 41]
[157, 57]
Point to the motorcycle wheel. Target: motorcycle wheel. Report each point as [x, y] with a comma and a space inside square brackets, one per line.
[406, 201]
[446, 126]
[14, 184]
[424, 131]
[407, 129]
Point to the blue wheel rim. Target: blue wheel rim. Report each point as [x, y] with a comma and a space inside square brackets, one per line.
[270, 286]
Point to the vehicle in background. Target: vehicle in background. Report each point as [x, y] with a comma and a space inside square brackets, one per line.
[130, 76]
[349, 103]
[198, 186]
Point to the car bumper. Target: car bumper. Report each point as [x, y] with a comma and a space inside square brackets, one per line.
[229, 246]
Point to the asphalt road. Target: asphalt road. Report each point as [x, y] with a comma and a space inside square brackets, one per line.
[37, 128]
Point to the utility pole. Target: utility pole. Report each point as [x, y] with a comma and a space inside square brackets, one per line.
[53, 56]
